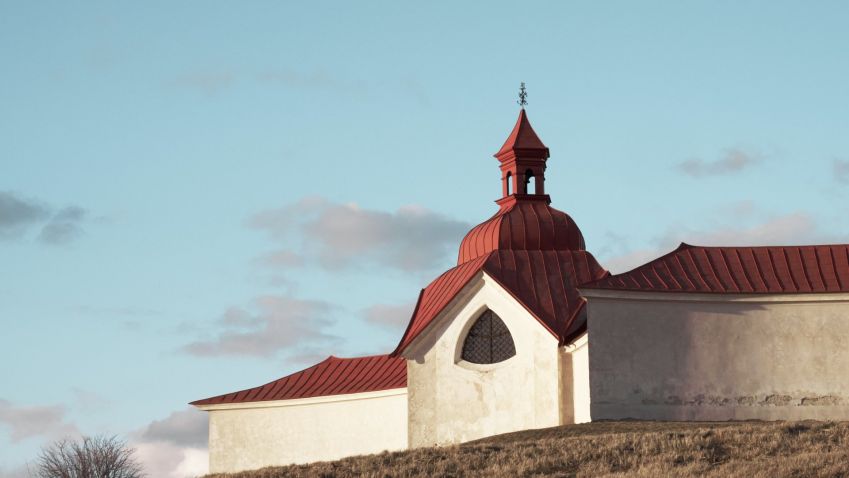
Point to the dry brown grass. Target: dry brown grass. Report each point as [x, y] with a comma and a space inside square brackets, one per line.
[613, 449]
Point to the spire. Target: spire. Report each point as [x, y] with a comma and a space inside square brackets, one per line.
[522, 141]
[522, 159]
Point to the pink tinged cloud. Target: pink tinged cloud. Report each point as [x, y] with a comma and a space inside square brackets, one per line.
[273, 323]
[732, 161]
[337, 236]
[26, 422]
[390, 316]
[790, 229]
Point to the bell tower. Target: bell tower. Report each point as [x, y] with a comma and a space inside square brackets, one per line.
[522, 159]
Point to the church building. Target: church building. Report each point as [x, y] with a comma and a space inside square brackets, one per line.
[528, 330]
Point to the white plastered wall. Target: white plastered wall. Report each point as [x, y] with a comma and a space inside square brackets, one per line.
[258, 434]
[718, 357]
[575, 382]
[452, 401]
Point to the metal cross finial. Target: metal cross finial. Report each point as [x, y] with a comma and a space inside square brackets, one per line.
[523, 95]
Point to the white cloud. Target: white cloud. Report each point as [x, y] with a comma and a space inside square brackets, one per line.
[175, 446]
[187, 427]
[732, 161]
[344, 235]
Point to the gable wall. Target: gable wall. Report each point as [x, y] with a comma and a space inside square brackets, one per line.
[719, 358]
[451, 401]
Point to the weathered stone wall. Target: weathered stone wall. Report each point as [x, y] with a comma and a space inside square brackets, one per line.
[697, 357]
[303, 431]
[452, 401]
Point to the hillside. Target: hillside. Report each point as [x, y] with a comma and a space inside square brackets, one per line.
[650, 449]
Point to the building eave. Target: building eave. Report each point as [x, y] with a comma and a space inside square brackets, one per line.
[304, 401]
[672, 296]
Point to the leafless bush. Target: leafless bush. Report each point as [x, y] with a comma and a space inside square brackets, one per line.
[90, 457]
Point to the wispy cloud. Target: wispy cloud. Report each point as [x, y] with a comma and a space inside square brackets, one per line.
[64, 226]
[274, 324]
[19, 215]
[841, 170]
[732, 161]
[343, 235]
[281, 258]
[317, 79]
[209, 83]
[24, 422]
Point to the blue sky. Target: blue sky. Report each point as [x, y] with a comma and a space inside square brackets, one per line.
[198, 197]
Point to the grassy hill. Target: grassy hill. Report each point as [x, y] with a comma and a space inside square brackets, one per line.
[648, 449]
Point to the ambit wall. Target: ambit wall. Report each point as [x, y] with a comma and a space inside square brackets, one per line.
[718, 357]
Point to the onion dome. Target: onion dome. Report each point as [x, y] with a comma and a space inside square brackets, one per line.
[523, 224]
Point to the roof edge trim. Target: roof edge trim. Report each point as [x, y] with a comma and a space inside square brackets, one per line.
[305, 401]
[686, 296]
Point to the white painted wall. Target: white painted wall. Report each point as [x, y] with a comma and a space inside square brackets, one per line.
[709, 357]
[452, 401]
[575, 382]
[254, 435]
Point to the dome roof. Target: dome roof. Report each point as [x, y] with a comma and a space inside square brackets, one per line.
[524, 222]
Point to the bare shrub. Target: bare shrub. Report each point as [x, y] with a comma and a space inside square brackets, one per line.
[90, 457]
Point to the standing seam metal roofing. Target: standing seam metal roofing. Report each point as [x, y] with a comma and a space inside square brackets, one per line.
[741, 270]
[544, 282]
[523, 223]
[522, 139]
[333, 376]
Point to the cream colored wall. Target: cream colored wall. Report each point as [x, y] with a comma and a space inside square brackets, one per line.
[703, 357]
[452, 401]
[302, 431]
[575, 382]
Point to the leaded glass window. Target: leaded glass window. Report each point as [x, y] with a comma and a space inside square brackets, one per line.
[488, 341]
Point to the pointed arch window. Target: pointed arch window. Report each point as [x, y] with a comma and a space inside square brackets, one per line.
[488, 341]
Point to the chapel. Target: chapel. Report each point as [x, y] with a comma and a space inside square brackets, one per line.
[528, 331]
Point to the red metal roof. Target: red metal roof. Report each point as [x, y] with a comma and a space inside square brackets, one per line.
[522, 223]
[333, 376]
[544, 282]
[743, 270]
[522, 140]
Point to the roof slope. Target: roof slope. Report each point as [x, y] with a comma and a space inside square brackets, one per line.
[529, 223]
[333, 376]
[544, 282]
[743, 270]
[523, 138]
